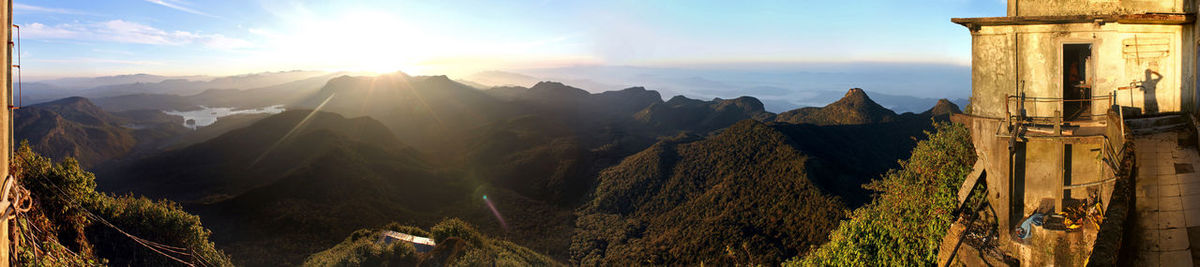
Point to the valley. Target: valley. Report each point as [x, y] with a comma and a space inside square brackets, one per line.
[584, 178]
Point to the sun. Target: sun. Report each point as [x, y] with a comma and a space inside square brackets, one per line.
[359, 41]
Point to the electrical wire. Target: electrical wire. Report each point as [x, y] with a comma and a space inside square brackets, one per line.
[153, 246]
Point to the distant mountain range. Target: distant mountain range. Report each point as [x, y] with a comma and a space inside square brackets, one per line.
[607, 178]
[146, 84]
[901, 87]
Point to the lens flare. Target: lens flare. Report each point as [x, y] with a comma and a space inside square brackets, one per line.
[290, 132]
[495, 212]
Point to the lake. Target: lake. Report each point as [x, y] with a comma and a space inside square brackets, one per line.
[206, 116]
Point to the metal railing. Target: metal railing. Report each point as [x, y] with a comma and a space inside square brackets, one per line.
[1022, 102]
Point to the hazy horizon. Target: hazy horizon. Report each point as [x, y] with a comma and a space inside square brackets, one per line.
[72, 38]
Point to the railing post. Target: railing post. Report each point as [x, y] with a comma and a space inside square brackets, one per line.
[1057, 120]
[1021, 106]
[1007, 111]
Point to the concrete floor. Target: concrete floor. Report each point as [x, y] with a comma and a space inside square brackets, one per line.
[1168, 201]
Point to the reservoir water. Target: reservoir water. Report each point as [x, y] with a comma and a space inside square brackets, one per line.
[206, 116]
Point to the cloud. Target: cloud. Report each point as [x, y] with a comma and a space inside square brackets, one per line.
[120, 31]
[181, 6]
[17, 7]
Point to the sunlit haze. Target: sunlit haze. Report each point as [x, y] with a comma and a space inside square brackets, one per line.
[189, 37]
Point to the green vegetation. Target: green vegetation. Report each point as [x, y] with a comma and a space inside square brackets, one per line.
[904, 225]
[741, 197]
[459, 244]
[68, 216]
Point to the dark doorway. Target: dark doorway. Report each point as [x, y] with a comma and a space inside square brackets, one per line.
[1077, 85]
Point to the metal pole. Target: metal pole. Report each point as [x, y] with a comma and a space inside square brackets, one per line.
[5, 239]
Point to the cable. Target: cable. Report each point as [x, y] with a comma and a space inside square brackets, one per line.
[153, 246]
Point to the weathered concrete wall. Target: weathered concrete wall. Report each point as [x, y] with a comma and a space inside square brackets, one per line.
[1043, 175]
[1188, 67]
[993, 73]
[1095, 7]
[1004, 56]
[1086, 168]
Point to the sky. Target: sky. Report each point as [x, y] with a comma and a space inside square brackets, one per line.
[217, 37]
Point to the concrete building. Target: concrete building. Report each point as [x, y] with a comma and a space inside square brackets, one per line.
[421, 244]
[1060, 90]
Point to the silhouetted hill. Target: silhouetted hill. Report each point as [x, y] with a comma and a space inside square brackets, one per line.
[628, 100]
[745, 194]
[691, 115]
[942, 108]
[432, 113]
[557, 99]
[553, 92]
[73, 127]
[506, 93]
[855, 108]
[245, 158]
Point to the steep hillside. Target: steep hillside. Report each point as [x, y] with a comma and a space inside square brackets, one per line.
[906, 221]
[854, 155]
[854, 108]
[73, 127]
[545, 159]
[744, 196]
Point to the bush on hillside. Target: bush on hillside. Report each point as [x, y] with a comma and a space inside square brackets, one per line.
[905, 223]
[68, 215]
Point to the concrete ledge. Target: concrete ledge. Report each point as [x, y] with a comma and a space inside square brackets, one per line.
[1149, 18]
[1117, 221]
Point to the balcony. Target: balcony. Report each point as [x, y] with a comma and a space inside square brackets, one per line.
[1045, 116]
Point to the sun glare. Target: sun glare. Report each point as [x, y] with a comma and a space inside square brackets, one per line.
[361, 41]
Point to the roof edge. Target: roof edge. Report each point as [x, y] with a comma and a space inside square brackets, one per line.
[1145, 18]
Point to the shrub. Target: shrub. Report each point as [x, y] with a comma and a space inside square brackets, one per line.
[72, 216]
